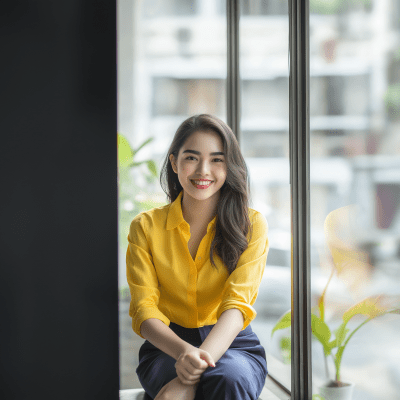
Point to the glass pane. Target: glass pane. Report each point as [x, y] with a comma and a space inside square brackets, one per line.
[264, 73]
[171, 65]
[355, 193]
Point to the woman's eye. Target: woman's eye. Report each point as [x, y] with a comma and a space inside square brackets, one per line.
[219, 159]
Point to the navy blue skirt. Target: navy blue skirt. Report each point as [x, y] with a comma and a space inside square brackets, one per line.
[239, 374]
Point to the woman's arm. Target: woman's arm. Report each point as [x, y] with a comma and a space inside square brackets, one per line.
[163, 337]
[229, 324]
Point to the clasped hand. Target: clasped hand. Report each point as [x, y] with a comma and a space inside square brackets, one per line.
[191, 364]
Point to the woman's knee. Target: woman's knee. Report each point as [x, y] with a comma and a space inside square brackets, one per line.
[155, 375]
[233, 379]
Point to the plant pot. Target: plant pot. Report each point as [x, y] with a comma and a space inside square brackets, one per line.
[329, 391]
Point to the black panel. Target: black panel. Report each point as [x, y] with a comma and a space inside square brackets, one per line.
[58, 214]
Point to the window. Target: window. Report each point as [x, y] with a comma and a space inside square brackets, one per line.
[354, 176]
[354, 162]
[264, 7]
[264, 79]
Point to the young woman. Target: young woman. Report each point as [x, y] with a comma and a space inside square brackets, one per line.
[194, 268]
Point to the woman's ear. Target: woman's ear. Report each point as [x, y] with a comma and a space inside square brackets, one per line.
[173, 164]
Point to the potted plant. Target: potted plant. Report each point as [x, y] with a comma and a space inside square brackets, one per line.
[350, 262]
[371, 307]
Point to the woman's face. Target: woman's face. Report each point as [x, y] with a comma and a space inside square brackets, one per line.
[192, 166]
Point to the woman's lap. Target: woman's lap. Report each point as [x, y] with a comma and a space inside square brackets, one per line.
[239, 374]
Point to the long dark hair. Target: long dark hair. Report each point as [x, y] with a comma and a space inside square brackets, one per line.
[233, 222]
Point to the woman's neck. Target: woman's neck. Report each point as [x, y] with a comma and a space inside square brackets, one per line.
[199, 212]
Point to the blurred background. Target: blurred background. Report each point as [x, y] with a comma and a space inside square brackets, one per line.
[172, 64]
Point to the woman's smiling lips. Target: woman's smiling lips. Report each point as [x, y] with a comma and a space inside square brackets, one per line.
[201, 186]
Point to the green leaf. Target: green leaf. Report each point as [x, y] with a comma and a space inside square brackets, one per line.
[331, 345]
[321, 300]
[340, 334]
[284, 322]
[125, 152]
[286, 345]
[321, 307]
[124, 292]
[152, 167]
[321, 331]
[369, 307]
[142, 145]
[137, 163]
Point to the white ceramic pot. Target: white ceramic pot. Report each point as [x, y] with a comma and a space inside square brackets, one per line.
[336, 393]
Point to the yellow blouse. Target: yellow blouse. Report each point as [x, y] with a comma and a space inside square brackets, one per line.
[165, 283]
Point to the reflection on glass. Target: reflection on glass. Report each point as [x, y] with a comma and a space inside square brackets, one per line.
[355, 176]
[171, 65]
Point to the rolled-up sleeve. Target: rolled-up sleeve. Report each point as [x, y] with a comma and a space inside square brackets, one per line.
[241, 288]
[142, 277]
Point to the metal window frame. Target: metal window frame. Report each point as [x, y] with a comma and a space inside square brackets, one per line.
[299, 141]
[233, 74]
[299, 138]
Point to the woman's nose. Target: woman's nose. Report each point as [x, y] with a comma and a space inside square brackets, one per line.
[203, 166]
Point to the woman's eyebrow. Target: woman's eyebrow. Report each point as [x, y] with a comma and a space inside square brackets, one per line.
[216, 153]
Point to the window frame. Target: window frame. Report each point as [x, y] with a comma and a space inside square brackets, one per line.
[299, 155]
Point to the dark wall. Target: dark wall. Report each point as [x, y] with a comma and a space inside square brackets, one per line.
[58, 191]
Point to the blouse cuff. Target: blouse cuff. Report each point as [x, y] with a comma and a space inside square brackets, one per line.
[249, 313]
[146, 313]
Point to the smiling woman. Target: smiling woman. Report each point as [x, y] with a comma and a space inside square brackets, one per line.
[199, 207]
[226, 196]
[192, 315]
[203, 183]
[180, 69]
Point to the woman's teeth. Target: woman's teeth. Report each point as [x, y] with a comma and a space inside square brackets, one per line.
[202, 183]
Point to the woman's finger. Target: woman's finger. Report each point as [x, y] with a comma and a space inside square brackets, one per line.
[190, 377]
[185, 376]
[209, 363]
[182, 377]
[194, 370]
[186, 381]
[190, 372]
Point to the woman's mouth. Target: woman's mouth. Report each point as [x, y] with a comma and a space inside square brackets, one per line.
[201, 184]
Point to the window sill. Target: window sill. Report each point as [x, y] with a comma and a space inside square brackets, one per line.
[278, 382]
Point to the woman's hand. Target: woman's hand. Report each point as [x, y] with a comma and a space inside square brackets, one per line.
[191, 364]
